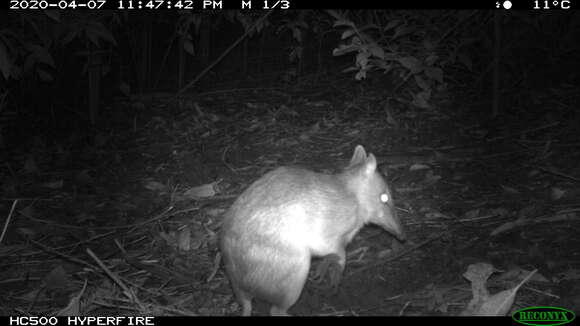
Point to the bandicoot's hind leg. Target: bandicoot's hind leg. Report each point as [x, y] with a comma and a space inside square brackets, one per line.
[291, 283]
[244, 299]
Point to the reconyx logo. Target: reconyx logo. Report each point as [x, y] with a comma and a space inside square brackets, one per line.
[543, 316]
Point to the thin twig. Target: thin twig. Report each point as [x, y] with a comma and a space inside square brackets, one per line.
[549, 125]
[557, 173]
[223, 55]
[65, 256]
[96, 237]
[160, 216]
[397, 255]
[8, 220]
[128, 292]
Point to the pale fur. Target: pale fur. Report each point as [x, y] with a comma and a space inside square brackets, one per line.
[291, 214]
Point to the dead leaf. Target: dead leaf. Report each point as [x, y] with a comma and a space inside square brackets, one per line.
[522, 221]
[314, 129]
[214, 212]
[431, 178]
[391, 119]
[503, 228]
[433, 214]
[184, 239]
[28, 211]
[304, 136]
[169, 237]
[557, 193]
[255, 106]
[84, 177]
[30, 296]
[500, 211]
[478, 274]
[498, 304]
[85, 218]
[440, 304]
[515, 273]
[203, 191]
[30, 166]
[421, 100]
[74, 306]
[57, 279]
[510, 190]
[418, 167]
[155, 186]
[353, 133]
[318, 104]
[472, 213]
[54, 185]
[482, 303]
[27, 232]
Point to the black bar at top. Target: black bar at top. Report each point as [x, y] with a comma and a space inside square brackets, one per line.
[217, 5]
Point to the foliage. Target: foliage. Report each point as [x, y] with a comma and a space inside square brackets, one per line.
[411, 45]
[185, 21]
[27, 40]
[296, 26]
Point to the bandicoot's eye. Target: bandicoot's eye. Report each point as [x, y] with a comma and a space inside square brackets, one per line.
[384, 198]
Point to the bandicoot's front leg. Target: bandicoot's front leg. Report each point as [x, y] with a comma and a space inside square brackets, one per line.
[329, 271]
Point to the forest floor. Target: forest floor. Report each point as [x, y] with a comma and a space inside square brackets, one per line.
[124, 219]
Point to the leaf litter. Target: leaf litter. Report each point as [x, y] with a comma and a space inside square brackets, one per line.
[138, 234]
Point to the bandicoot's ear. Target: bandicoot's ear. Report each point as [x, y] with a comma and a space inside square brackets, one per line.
[359, 156]
[370, 165]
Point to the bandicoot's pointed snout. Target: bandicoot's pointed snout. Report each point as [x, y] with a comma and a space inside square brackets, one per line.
[396, 229]
[401, 236]
[394, 226]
